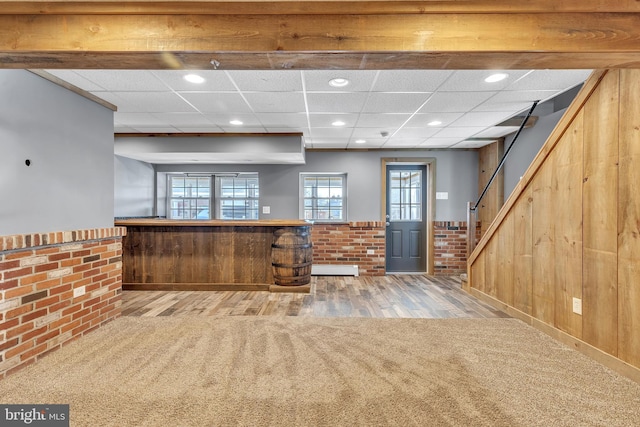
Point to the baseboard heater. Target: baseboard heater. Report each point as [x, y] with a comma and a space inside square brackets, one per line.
[334, 270]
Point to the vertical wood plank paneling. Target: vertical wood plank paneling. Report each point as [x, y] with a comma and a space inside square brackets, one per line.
[477, 278]
[488, 158]
[506, 238]
[543, 218]
[629, 219]
[600, 217]
[567, 183]
[523, 252]
[491, 267]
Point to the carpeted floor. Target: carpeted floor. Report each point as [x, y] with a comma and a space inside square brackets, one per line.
[220, 371]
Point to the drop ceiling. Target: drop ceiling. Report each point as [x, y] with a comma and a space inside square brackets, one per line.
[387, 109]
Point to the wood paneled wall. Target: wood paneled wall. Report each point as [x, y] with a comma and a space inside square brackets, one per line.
[488, 159]
[571, 228]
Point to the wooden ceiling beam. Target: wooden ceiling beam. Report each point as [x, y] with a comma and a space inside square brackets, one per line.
[426, 37]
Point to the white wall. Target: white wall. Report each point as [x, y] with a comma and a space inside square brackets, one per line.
[456, 173]
[69, 141]
[133, 187]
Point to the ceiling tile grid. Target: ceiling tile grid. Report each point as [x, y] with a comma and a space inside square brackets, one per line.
[385, 108]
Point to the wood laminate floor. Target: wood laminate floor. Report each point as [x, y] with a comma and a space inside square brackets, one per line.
[416, 296]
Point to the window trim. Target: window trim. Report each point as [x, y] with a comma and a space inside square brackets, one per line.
[170, 193]
[345, 197]
[215, 191]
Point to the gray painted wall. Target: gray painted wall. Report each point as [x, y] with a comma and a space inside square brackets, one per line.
[456, 173]
[526, 148]
[69, 140]
[133, 187]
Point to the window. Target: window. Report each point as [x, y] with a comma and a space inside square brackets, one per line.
[405, 194]
[238, 198]
[323, 197]
[213, 197]
[189, 197]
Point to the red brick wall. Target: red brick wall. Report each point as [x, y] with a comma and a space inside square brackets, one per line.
[38, 276]
[347, 244]
[450, 252]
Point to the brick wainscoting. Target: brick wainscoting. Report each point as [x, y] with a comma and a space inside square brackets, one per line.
[347, 244]
[54, 288]
[450, 252]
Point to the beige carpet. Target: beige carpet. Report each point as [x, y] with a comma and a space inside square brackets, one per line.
[196, 371]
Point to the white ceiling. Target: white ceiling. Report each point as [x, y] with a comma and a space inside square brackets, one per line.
[398, 103]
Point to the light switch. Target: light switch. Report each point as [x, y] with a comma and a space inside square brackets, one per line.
[442, 195]
[266, 210]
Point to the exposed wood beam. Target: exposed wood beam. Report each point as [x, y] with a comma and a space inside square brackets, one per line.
[320, 34]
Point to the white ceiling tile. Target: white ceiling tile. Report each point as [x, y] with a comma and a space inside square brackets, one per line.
[508, 107]
[473, 80]
[333, 102]
[183, 119]
[403, 142]
[283, 119]
[156, 129]
[439, 142]
[318, 80]
[383, 102]
[199, 129]
[154, 102]
[367, 133]
[497, 131]
[214, 80]
[454, 102]
[472, 144]
[459, 132]
[482, 119]
[124, 80]
[224, 119]
[410, 80]
[424, 119]
[276, 102]
[369, 143]
[550, 80]
[326, 120]
[76, 79]
[217, 102]
[522, 96]
[384, 120]
[137, 120]
[123, 129]
[415, 133]
[275, 129]
[330, 133]
[243, 129]
[267, 80]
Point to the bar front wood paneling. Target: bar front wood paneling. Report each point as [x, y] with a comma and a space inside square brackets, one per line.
[203, 255]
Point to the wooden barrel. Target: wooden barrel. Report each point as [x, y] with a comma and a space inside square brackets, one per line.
[291, 256]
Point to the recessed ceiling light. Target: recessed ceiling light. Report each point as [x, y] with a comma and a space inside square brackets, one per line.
[360, 141]
[434, 123]
[235, 122]
[338, 82]
[496, 77]
[338, 123]
[194, 78]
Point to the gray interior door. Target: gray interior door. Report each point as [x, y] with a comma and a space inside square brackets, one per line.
[406, 218]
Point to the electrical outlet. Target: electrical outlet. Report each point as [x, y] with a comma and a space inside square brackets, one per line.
[78, 292]
[266, 210]
[577, 306]
[370, 251]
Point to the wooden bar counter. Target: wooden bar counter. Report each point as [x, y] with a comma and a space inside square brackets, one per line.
[271, 255]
